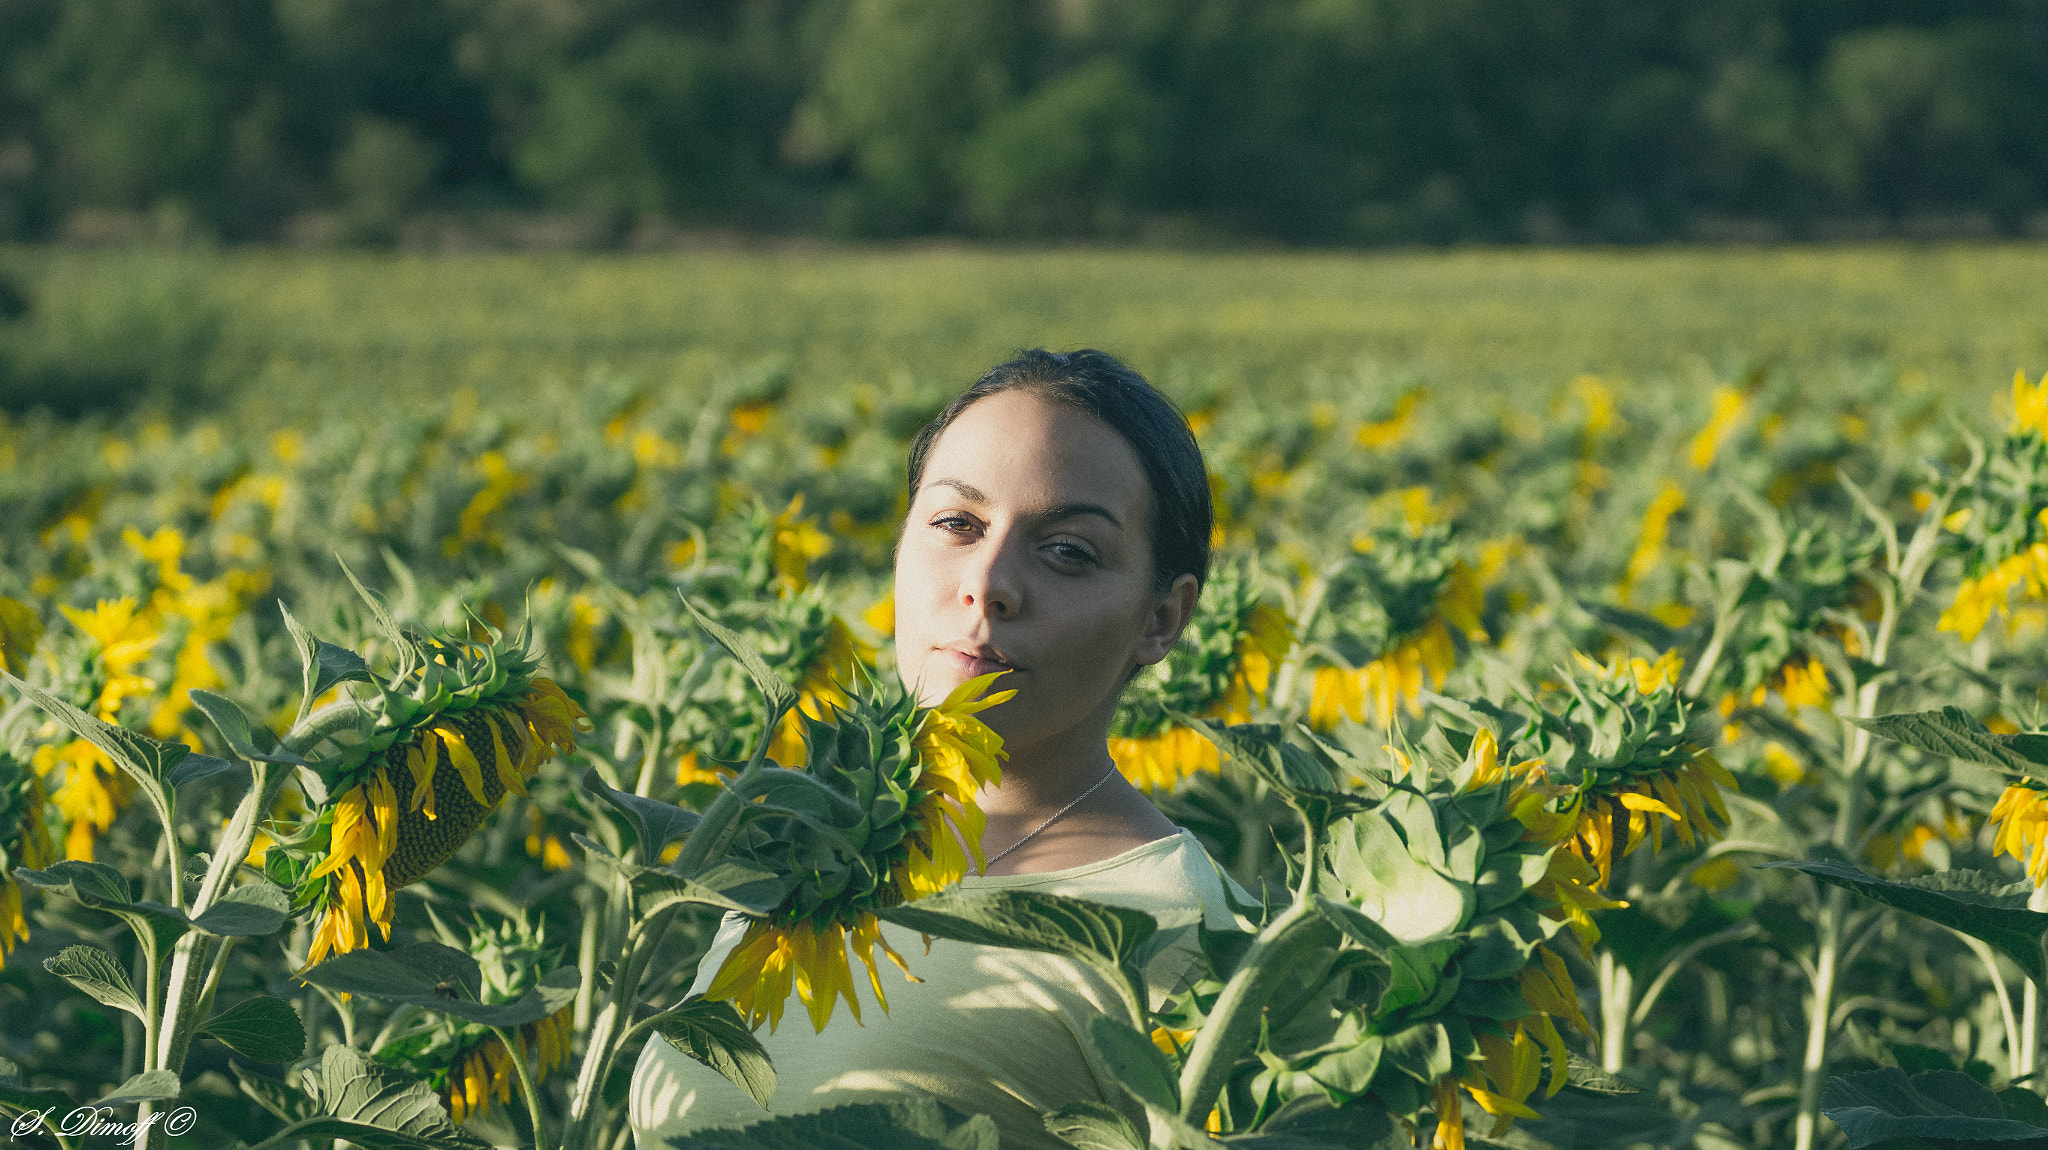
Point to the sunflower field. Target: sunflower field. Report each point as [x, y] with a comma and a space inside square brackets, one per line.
[1620, 682]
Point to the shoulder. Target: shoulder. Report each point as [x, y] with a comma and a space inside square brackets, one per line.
[1171, 878]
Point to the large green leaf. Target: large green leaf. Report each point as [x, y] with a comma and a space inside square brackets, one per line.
[1948, 1105]
[252, 910]
[1139, 1065]
[1407, 897]
[713, 1033]
[260, 1027]
[1105, 937]
[1954, 732]
[275, 1094]
[655, 823]
[1093, 1126]
[376, 1107]
[908, 1124]
[1972, 902]
[439, 978]
[97, 973]
[322, 664]
[96, 885]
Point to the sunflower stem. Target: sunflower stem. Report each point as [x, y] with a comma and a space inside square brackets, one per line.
[330, 720]
[727, 806]
[527, 1088]
[1233, 1025]
[610, 1030]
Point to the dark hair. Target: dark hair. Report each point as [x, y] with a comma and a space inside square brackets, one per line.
[1097, 383]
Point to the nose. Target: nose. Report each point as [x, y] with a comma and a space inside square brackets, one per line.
[990, 585]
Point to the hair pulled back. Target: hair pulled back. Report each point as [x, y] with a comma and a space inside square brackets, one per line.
[1099, 384]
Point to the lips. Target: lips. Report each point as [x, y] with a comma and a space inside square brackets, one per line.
[976, 661]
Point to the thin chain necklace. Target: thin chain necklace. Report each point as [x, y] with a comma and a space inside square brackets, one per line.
[1055, 818]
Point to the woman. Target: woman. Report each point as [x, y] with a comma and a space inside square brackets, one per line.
[1059, 532]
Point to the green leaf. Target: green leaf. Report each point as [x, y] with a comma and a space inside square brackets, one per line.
[780, 695]
[1139, 1065]
[713, 1033]
[1350, 1072]
[730, 885]
[148, 761]
[1588, 1078]
[97, 973]
[1093, 1126]
[275, 1094]
[260, 1027]
[1412, 900]
[96, 885]
[1955, 733]
[252, 910]
[377, 1107]
[439, 978]
[1877, 1105]
[1972, 902]
[1094, 933]
[194, 767]
[912, 1123]
[322, 664]
[252, 741]
[148, 1086]
[656, 823]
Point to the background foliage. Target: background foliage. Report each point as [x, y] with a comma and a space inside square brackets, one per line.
[1308, 121]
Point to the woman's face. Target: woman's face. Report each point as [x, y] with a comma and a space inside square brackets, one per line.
[1028, 548]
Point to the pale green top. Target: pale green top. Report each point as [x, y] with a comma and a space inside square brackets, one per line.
[989, 1031]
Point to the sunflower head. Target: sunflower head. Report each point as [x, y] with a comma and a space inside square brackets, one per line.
[1450, 883]
[463, 1061]
[1623, 737]
[903, 823]
[455, 727]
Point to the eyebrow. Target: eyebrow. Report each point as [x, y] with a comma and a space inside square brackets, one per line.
[974, 494]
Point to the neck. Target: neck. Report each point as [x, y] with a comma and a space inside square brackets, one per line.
[1042, 777]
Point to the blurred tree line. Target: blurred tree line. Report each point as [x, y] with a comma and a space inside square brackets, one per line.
[1306, 121]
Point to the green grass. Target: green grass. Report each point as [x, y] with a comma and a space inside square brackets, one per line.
[303, 332]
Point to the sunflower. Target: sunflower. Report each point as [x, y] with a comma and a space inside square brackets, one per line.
[20, 630]
[1222, 669]
[1625, 733]
[482, 1074]
[1387, 633]
[2019, 823]
[924, 767]
[465, 1062]
[458, 727]
[24, 842]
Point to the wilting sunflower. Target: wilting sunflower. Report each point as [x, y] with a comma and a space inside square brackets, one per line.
[1386, 634]
[1221, 669]
[460, 724]
[24, 841]
[922, 768]
[1624, 736]
[464, 1061]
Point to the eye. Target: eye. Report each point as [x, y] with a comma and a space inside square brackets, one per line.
[1070, 554]
[954, 524]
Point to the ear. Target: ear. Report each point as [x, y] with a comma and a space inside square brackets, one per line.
[1169, 618]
